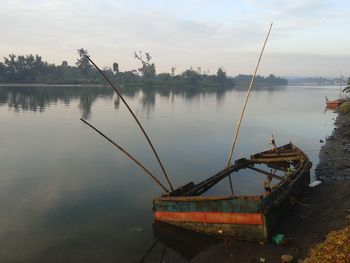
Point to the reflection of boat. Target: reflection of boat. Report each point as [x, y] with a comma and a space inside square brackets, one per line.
[243, 217]
[187, 243]
[333, 104]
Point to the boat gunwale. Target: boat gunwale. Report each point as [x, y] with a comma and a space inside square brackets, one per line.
[300, 155]
[195, 198]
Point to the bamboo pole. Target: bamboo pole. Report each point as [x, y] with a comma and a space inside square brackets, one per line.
[129, 155]
[341, 87]
[136, 119]
[149, 251]
[163, 254]
[246, 100]
[266, 173]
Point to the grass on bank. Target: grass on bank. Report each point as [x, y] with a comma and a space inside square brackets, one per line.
[345, 107]
[335, 249]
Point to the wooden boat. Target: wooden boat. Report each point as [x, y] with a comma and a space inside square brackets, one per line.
[244, 217]
[333, 104]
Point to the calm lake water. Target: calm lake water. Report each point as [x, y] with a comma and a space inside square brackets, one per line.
[67, 195]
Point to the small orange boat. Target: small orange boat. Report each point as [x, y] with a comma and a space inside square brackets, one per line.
[333, 104]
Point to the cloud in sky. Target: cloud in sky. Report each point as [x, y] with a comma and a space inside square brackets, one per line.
[183, 33]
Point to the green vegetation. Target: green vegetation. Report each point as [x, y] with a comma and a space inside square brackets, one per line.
[344, 107]
[33, 69]
[335, 248]
[347, 88]
[270, 80]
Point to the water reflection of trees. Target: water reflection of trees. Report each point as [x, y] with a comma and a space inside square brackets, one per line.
[38, 98]
[148, 100]
[148, 96]
[23, 99]
[258, 88]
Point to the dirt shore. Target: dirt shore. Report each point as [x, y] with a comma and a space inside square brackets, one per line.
[320, 210]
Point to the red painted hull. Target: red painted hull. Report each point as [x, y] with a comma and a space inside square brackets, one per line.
[211, 217]
[333, 104]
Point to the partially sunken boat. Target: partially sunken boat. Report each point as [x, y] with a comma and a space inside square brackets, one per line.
[251, 217]
[248, 217]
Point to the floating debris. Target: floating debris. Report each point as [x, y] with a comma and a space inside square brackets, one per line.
[315, 183]
[287, 259]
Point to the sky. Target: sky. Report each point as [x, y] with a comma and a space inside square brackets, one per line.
[308, 38]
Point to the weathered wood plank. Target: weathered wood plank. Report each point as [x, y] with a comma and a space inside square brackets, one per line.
[206, 198]
[267, 155]
[243, 232]
[239, 205]
[211, 217]
[277, 159]
[214, 179]
[266, 173]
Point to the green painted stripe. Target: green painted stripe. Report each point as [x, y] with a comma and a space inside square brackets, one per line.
[229, 205]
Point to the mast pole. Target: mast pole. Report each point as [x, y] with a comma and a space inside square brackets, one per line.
[246, 101]
[136, 119]
[341, 87]
[129, 155]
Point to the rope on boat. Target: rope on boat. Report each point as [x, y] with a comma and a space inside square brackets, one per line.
[295, 201]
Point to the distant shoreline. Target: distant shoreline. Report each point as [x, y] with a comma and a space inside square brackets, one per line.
[47, 85]
[155, 85]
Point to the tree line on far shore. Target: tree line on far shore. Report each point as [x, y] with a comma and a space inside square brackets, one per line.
[33, 69]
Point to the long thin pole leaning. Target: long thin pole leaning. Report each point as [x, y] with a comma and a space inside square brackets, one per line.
[149, 251]
[136, 119]
[246, 100]
[129, 155]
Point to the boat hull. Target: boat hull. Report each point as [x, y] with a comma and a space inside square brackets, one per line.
[241, 217]
[252, 218]
[333, 104]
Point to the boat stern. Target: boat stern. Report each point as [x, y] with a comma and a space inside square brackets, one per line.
[239, 217]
